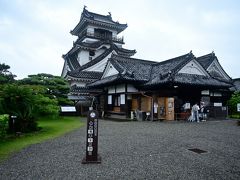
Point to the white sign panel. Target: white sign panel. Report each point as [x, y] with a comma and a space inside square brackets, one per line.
[238, 107]
[187, 106]
[217, 104]
[68, 109]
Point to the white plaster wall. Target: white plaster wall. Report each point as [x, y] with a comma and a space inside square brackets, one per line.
[100, 66]
[111, 90]
[131, 88]
[101, 47]
[120, 88]
[83, 57]
[193, 68]
[110, 71]
[89, 40]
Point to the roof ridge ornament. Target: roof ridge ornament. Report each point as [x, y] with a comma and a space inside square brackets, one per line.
[213, 54]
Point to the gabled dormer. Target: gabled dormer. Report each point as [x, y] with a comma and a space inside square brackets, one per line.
[212, 66]
[194, 68]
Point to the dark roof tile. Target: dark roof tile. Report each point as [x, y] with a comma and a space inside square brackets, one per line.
[206, 60]
[83, 90]
[149, 73]
[102, 20]
[85, 74]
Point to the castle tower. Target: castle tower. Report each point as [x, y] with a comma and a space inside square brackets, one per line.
[85, 62]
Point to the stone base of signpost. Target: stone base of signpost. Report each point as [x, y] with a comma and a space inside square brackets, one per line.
[98, 161]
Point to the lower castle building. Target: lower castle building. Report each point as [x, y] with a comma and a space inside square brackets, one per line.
[98, 66]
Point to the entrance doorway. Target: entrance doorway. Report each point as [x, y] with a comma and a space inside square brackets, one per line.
[166, 108]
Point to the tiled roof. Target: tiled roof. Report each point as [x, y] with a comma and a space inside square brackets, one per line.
[80, 90]
[73, 63]
[95, 45]
[98, 19]
[187, 79]
[104, 81]
[171, 66]
[83, 90]
[122, 51]
[150, 74]
[236, 83]
[137, 69]
[206, 60]
[77, 71]
[85, 74]
[191, 79]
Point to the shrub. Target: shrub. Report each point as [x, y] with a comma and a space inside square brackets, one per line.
[44, 106]
[232, 103]
[27, 103]
[19, 101]
[3, 125]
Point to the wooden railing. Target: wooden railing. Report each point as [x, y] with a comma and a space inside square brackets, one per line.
[102, 36]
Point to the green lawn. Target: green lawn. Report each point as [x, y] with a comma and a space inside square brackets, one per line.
[51, 128]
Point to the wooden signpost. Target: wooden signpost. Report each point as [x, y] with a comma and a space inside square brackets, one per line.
[92, 139]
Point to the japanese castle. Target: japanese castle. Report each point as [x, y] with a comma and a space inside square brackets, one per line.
[98, 66]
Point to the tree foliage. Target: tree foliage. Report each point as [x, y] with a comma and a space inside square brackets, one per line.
[19, 101]
[5, 75]
[232, 103]
[52, 86]
[3, 125]
[32, 97]
[27, 104]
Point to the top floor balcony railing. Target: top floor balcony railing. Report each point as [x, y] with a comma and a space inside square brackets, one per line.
[104, 36]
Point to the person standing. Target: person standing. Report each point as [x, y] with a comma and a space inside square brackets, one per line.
[202, 111]
[195, 110]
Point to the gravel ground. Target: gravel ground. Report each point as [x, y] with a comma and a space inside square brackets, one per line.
[135, 150]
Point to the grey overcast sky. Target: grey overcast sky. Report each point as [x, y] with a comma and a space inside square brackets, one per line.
[35, 33]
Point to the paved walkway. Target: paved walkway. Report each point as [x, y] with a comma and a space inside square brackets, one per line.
[135, 150]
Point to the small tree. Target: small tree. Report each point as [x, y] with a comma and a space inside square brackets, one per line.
[19, 101]
[54, 87]
[44, 106]
[3, 125]
[232, 103]
[5, 75]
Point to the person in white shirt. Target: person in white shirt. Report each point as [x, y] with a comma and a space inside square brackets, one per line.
[195, 110]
